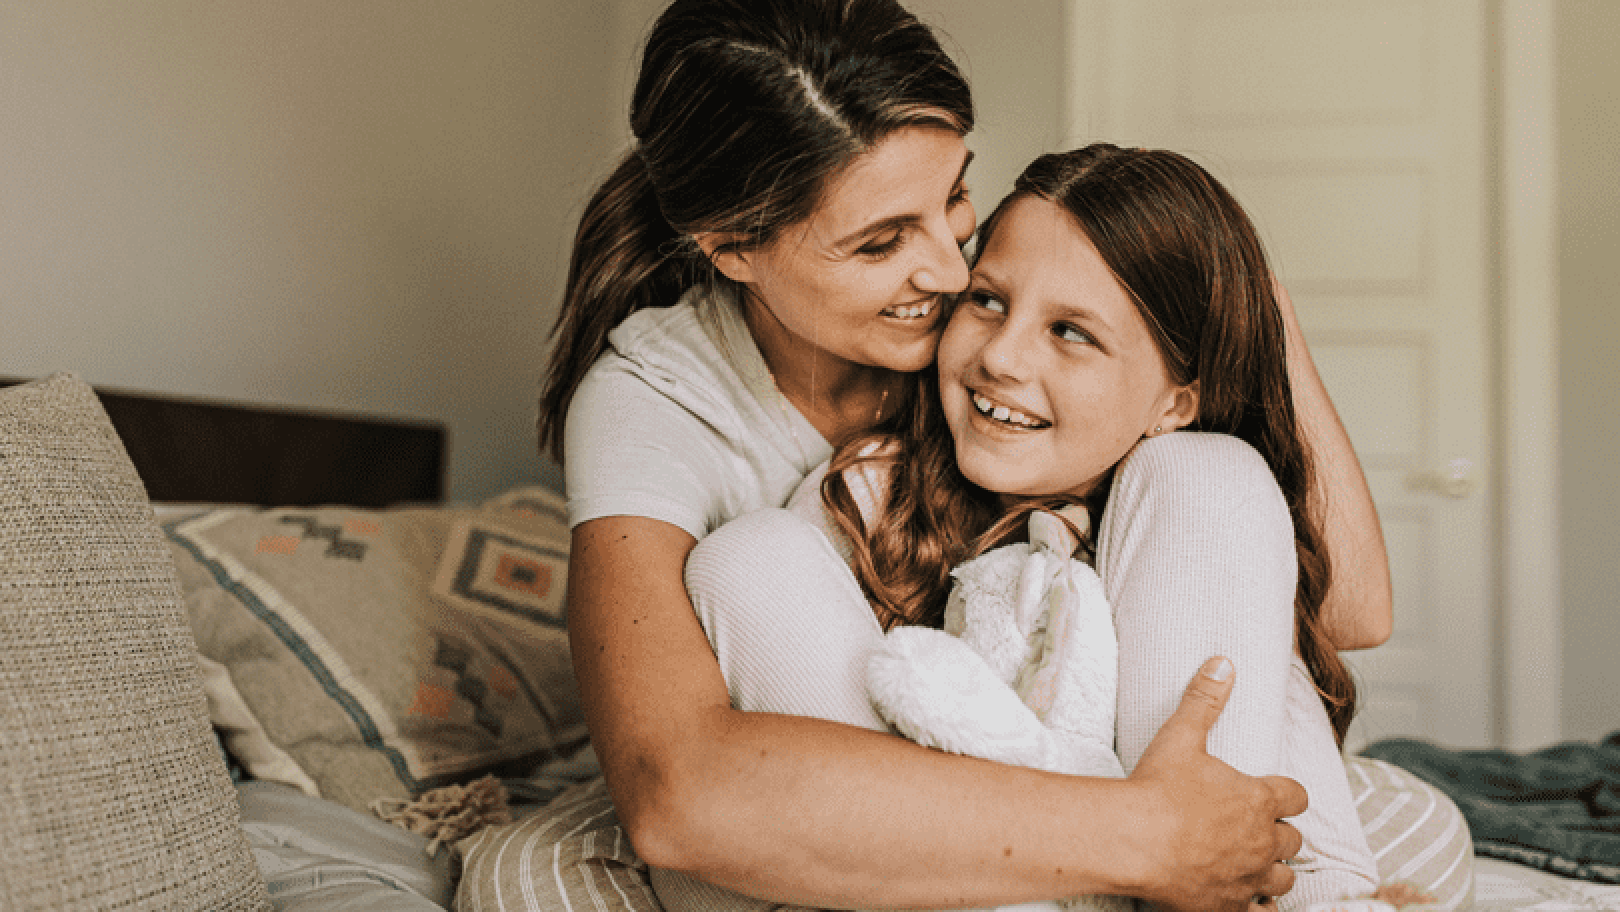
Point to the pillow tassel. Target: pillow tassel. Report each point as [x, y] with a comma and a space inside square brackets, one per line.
[450, 813]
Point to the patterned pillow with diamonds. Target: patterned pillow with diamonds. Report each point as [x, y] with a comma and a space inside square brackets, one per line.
[374, 654]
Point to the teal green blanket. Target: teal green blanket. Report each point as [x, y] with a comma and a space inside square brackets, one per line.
[1557, 809]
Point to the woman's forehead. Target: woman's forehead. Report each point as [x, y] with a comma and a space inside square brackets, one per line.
[908, 174]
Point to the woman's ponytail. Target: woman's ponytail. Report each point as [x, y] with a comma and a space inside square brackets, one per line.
[626, 257]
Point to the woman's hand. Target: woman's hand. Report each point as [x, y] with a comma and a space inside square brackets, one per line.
[1221, 842]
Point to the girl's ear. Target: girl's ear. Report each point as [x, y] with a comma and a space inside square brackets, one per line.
[1180, 408]
[723, 251]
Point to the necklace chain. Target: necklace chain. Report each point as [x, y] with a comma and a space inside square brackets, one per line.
[793, 426]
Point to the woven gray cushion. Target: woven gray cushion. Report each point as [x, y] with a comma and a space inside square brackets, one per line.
[113, 793]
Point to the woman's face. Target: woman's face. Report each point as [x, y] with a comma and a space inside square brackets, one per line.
[1048, 372]
[862, 279]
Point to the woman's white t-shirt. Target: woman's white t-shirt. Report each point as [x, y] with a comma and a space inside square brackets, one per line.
[679, 420]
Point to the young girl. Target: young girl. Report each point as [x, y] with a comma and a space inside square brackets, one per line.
[1120, 302]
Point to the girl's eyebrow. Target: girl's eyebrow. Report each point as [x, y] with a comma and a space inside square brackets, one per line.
[894, 222]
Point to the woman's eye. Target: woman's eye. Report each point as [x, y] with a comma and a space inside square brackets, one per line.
[988, 301]
[1068, 332]
[877, 249]
[958, 196]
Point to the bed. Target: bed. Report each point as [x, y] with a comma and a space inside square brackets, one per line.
[361, 643]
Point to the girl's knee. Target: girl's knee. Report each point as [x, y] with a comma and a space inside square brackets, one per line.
[1193, 493]
[756, 542]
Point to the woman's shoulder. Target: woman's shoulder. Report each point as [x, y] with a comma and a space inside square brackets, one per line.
[657, 333]
[697, 344]
[689, 373]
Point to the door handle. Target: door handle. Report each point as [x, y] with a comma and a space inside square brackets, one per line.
[1455, 480]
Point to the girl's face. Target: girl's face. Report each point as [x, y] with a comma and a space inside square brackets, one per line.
[1048, 372]
[862, 279]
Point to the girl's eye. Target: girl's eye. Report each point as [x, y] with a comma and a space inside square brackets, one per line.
[958, 196]
[880, 249]
[987, 301]
[1068, 332]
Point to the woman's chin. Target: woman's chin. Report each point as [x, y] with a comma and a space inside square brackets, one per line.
[910, 359]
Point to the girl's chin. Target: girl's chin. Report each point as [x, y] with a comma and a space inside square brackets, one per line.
[988, 474]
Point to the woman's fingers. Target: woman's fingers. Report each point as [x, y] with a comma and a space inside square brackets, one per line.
[1227, 844]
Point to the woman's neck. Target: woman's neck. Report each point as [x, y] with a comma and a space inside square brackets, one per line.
[838, 397]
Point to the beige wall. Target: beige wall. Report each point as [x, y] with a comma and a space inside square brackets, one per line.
[1587, 33]
[362, 205]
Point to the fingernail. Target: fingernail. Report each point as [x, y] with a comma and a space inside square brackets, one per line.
[1218, 668]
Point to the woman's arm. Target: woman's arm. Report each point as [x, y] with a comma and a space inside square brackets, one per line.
[815, 813]
[1359, 609]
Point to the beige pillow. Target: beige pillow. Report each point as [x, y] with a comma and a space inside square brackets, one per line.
[374, 654]
[113, 793]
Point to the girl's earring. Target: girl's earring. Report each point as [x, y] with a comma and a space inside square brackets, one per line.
[1158, 429]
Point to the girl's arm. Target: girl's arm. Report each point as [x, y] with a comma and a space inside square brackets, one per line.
[1196, 551]
[816, 813]
[1359, 609]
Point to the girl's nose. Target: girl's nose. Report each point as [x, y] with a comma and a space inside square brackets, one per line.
[1002, 357]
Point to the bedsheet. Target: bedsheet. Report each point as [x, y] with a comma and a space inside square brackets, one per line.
[1506, 886]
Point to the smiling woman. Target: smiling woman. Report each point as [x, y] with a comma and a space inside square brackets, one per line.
[862, 280]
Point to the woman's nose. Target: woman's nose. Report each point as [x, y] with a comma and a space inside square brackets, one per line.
[945, 271]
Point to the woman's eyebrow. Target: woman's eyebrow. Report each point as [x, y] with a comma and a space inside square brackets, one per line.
[899, 221]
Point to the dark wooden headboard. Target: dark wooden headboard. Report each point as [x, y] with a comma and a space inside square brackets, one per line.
[201, 451]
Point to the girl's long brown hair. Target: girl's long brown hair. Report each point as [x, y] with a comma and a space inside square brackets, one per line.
[1187, 252]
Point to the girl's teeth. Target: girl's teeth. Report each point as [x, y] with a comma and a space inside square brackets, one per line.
[1002, 413]
[914, 312]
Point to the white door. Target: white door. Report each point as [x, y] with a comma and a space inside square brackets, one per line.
[1356, 135]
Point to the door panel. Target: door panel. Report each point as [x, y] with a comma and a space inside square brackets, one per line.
[1355, 135]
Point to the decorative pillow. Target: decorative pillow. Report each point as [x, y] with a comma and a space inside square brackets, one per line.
[1417, 834]
[375, 654]
[113, 793]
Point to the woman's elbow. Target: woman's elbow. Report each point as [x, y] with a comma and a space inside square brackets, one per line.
[662, 816]
[1375, 632]
[1371, 626]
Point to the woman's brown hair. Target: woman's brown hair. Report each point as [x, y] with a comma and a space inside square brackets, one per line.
[742, 112]
[1187, 252]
